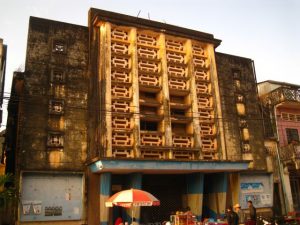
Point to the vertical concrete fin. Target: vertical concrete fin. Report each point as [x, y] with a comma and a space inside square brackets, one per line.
[195, 184]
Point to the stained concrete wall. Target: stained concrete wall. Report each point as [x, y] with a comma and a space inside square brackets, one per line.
[36, 122]
[226, 66]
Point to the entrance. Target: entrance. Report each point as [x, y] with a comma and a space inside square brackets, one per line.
[169, 189]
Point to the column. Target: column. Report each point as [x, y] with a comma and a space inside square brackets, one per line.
[135, 92]
[195, 193]
[194, 99]
[215, 84]
[165, 94]
[105, 189]
[105, 95]
[216, 190]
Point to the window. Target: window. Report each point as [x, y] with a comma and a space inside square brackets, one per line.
[243, 123]
[59, 46]
[57, 76]
[148, 126]
[144, 110]
[292, 135]
[237, 84]
[177, 112]
[56, 106]
[240, 98]
[290, 117]
[236, 74]
[148, 95]
[55, 140]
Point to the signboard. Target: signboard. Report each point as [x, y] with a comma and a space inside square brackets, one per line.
[258, 188]
[50, 197]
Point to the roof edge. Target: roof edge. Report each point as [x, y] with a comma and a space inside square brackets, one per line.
[122, 19]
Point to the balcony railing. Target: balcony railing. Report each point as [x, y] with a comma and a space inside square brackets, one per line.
[291, 153]
[280, 95]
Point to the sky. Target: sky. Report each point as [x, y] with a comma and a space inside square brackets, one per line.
[267, 31]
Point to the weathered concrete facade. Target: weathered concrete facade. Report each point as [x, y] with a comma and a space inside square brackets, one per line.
[51, 115]
[242, 118]
[128, 101]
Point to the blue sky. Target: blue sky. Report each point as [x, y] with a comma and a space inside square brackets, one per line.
[266, 31]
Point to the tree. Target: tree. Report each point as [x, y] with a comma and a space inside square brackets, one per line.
[7, 191]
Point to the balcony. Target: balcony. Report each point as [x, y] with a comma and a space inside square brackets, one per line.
[290, 153]
[151, 138]
[281, 94]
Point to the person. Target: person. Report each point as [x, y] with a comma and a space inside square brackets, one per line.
[252, 213]
[119, 221]
[241, 214]
[232, 217]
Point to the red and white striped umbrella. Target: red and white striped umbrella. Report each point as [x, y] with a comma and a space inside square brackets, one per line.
[132, 197]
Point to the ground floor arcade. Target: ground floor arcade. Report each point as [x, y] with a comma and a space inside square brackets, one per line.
[207, 188]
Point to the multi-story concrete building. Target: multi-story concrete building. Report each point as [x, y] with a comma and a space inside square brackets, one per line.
[129, 102]
[281, 107]
[3, 53]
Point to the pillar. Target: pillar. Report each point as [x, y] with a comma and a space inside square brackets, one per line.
[195, 193]
[105, 189]
[215, 191]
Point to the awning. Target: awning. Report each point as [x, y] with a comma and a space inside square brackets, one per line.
[165, 167]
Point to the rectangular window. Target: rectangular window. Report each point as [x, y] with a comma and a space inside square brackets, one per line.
[59, 46]
[236, 74]
[177, 112]
[55, 140]
[148, 126]
[292, 135]
[56, 107]
[57, 76]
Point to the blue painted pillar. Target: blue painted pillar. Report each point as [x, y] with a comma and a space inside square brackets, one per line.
[194, 193]
[216, 186]
[105, 191]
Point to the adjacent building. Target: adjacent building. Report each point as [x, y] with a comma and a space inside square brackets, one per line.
[3, 53]
[133, 103]
[281, 109]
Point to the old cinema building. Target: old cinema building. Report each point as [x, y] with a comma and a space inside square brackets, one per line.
[128, 102]
[159, 124]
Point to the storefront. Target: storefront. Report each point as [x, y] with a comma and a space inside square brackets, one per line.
[201, 186]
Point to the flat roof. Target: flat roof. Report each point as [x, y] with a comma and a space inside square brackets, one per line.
[96, 15]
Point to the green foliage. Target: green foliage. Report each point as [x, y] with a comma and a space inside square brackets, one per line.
[7, 193]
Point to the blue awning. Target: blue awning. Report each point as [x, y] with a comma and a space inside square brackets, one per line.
[165, 167]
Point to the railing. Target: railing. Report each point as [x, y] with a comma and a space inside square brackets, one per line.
[281, 94]
[291, 153]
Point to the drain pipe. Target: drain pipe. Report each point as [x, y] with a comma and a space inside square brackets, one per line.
[280, 168]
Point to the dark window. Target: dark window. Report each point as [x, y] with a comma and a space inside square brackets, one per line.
[178, 128]
[56, 106]
[240, 98]
[292, 135]
[177, 112]
[148, 95]
[177, 99]
[59, 46]
[148, 110]
[149, 126]
[57, 76]
[55, 140]
[236, 74]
